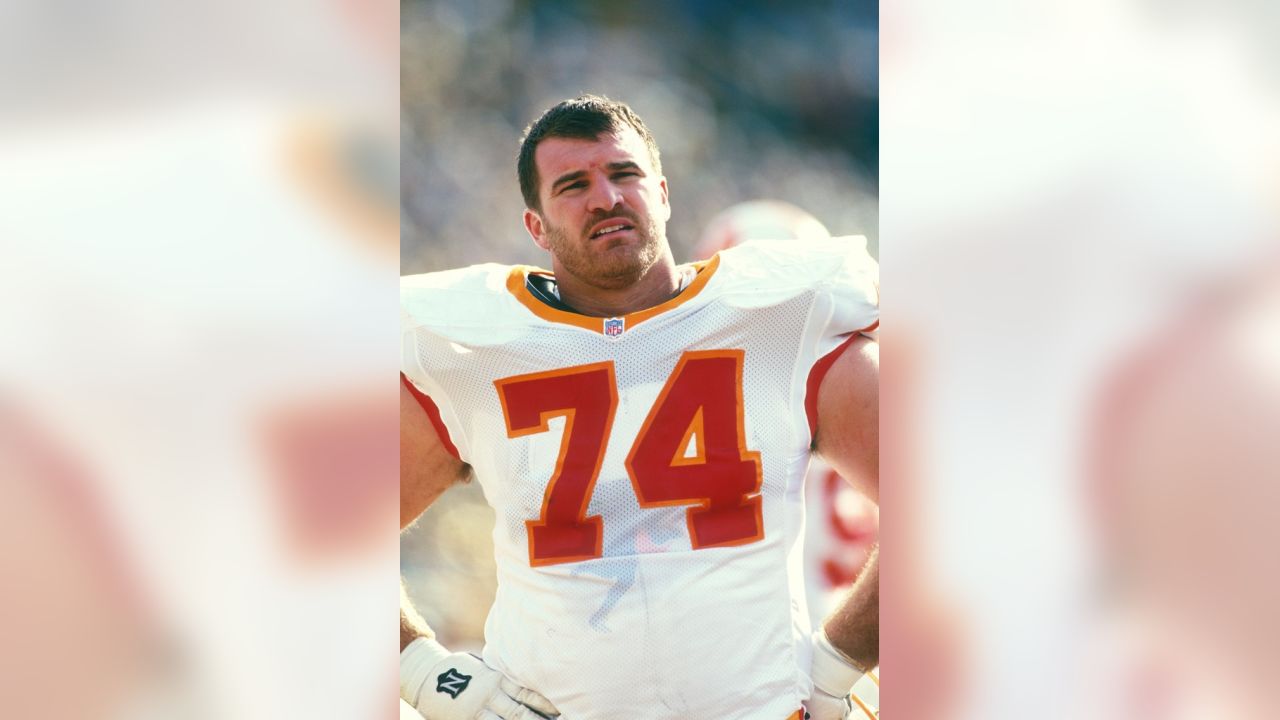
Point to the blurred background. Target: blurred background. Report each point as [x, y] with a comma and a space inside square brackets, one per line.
[746, 100]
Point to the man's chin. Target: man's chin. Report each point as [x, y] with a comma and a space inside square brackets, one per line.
[612, 263]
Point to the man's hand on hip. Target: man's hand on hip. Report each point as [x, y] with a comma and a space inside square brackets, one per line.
[456, 686]
[841, 691]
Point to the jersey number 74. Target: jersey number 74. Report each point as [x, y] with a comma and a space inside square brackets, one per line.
[700, 407]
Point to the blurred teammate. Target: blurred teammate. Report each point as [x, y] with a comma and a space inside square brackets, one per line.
[641, 430]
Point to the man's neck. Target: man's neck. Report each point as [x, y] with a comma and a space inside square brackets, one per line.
[659, 283]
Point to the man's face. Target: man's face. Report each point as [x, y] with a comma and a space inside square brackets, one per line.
[604, 208]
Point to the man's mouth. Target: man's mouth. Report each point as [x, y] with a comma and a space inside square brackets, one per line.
[610, 227]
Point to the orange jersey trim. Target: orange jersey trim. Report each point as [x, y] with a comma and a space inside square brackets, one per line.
[695, 431]
[517, 287]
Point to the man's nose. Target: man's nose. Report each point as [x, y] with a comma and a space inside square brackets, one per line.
[604, 196]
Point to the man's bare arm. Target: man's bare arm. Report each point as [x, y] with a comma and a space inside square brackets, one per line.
[854, 627]
[849, 439]
[427, 469]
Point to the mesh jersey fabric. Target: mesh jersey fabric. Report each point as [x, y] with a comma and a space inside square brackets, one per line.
[653, 627]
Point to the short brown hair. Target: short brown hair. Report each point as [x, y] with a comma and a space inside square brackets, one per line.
[585, 117]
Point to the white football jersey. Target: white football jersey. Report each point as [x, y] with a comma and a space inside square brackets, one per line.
[646, 472]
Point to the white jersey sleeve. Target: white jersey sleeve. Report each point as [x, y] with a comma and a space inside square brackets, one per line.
[844, 278]
[840, 280]
[443, 316]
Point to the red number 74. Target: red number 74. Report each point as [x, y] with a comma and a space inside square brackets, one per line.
[691, 450]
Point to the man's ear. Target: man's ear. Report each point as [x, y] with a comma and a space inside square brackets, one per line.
[662, 185]
[536, 228]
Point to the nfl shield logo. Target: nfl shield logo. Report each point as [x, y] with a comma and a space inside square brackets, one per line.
[613, 327]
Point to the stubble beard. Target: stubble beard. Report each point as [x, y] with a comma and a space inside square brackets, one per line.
[607, 264]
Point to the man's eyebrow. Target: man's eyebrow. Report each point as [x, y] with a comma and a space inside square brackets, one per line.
[579, 174]
[568, 177]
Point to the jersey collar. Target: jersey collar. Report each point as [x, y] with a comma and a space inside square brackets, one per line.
[516, 285]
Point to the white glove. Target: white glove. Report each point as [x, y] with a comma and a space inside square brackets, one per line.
[457, 686]
[840, 690]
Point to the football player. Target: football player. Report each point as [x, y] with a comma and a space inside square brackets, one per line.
[642, 430]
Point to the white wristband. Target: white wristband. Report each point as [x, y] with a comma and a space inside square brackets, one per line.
[416, 662]
[832, 673]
